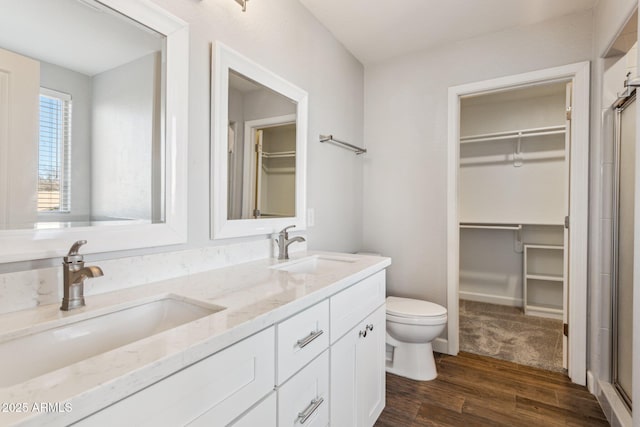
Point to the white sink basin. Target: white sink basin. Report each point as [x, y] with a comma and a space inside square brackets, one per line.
[315, 264]
[35, 354]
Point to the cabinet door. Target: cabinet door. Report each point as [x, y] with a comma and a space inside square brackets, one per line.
[263, 414]
[304, 399]
[211, 392]
[358, 373]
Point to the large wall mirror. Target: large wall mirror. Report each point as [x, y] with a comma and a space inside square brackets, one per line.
[92, 126]
[259, 153]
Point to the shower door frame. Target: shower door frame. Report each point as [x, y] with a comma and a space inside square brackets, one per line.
[579, 74]
[619, 107]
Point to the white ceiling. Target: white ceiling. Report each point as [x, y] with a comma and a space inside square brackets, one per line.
[75, 34]
[377, 30]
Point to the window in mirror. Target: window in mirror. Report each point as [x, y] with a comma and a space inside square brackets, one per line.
[54, 159]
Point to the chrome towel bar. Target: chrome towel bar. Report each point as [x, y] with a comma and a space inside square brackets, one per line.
[354, 148]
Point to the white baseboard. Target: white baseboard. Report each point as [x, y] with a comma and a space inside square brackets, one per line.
[440, 345]
[491, 299]
[591, 383]
[612, 405]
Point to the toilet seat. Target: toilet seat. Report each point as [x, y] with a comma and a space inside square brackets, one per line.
[408, 307]
[424, 321]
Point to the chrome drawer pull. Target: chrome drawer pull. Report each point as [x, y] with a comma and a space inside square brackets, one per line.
[370, 327]
[313, 406]
[307, 340]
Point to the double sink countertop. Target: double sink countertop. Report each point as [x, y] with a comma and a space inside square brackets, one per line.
[251, 296]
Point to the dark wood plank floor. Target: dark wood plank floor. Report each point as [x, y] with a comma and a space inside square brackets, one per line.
[474, 390]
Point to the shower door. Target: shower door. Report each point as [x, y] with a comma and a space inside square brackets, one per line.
[623, 247]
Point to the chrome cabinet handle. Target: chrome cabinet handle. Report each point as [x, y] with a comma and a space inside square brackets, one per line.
[307, 340]
[313, 406]
[369, 327]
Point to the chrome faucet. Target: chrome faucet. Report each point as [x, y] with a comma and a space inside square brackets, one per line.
[283, 242]
[74, 273]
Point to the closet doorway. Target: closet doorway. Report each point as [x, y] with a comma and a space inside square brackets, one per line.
[518, 171]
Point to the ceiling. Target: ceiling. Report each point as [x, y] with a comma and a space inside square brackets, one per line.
[80, 35]
[375, 31]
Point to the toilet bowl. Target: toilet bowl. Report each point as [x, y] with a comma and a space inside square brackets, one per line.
[411, 327]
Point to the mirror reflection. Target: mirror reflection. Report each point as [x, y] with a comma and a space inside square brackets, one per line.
[81, 116]
[261, 151]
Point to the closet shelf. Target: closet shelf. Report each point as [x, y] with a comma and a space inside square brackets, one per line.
[541, 310]
[549, 277]
[515, 134]
[278, 154]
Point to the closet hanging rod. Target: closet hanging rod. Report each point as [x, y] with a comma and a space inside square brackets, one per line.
[491, 226]
[524, 133]
[354, 148]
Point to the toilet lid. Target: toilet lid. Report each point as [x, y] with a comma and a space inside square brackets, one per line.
[408, 307]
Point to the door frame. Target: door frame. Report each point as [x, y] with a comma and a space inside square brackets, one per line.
[250, 127]
[578, 74]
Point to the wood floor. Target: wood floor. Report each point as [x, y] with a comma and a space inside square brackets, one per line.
[474, 390]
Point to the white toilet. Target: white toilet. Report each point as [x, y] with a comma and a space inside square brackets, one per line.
[411, 326]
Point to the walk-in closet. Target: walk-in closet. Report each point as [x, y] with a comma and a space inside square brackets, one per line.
[513, 202]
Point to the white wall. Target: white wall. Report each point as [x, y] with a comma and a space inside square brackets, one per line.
[123, 114]
[79, 86]
[406, 134]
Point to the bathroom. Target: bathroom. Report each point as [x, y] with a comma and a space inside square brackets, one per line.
[391, 200]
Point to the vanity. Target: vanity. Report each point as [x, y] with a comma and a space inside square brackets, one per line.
[268, 343]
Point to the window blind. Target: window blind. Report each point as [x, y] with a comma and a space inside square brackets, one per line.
[54, 152]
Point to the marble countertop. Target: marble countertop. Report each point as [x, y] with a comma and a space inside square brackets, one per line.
[254, 295]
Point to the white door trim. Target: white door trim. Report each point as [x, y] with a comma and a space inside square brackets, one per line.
[578, 199]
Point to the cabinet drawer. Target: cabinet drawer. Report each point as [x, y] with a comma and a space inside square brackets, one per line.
[304, 399]
[263, 414]
[213, 391]
[353, 304]
[301, 338]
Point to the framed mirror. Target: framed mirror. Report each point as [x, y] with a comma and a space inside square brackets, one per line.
[93, 113]
[259, 149]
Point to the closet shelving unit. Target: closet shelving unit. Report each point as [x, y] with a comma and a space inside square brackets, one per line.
[543, 276]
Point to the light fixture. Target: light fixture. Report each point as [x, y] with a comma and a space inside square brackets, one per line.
[243, 3]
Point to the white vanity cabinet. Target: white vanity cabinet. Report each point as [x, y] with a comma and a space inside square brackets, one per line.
[214, 391]
[324, 365]
[358, 357]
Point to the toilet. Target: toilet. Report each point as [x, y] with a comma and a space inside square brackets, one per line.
[411, 327]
